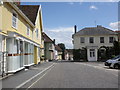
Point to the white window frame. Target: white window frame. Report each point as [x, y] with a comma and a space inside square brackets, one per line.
[91, 38]
[32, 34]
[37, 33]
[28, 30]
[16, 18]
[102, 41]
[111, 41]
[82, 39]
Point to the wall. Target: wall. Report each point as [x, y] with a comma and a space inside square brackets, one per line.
[78, 45]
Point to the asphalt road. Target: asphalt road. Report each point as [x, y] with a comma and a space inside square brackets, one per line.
[77, 75]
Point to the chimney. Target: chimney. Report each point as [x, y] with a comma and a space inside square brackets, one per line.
[75, 28]
[54, 41]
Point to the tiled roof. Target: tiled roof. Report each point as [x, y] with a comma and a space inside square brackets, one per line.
[46, 38]
[30, 11]
[99, 30]
[58, 48]
[70, 51]
[117, 32]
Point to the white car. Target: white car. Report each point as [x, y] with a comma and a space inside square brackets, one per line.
[114, 62]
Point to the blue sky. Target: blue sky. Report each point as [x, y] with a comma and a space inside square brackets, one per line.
[59, 18]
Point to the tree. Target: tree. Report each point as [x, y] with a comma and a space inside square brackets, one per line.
[62, 46]
[116, 47]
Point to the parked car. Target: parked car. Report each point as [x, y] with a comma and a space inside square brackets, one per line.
[114, 62]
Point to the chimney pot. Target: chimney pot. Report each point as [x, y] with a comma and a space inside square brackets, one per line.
[75, 28]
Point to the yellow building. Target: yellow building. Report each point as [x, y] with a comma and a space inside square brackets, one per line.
[21, 32]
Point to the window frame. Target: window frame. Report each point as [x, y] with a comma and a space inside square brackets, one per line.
[82, 39]
[28, 30]
[110, 39]
[90, 39]
[102, 40]
[16, 18]
[37, 32]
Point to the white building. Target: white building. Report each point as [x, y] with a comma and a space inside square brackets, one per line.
[92, 38]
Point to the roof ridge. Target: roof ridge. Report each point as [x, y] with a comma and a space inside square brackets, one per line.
[99, 30]
[47, 37]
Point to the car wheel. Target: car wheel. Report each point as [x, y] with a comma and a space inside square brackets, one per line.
[116, 66]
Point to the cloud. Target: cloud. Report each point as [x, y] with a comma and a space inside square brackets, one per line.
[61, 35]
[92, 7]
[62, 29]
[115, 25]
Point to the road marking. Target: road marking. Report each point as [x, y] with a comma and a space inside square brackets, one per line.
[39, 79]
[34, 76]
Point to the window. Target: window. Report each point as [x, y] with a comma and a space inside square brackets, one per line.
[16, 43]
[37, 33]
[32, 34]
[14, 20]
[91, 40]
[28, 30]
[82, 40]
[50, 46]
[101, 39]
[111, 39]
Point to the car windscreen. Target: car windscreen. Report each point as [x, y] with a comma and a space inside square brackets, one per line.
[116, 57]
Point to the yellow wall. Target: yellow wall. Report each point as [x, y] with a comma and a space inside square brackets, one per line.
[0, 17]
[38, 26]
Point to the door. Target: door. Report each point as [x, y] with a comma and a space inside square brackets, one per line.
[92, 56]
[35, 55]
[21, 53]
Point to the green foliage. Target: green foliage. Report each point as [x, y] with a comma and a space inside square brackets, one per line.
[116, 47]
[62, 46]
[80, 54]
[105, 53]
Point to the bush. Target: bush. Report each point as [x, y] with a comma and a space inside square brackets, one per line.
[80, 54]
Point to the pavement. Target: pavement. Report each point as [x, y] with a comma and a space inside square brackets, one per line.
[20, 78]
[65, 74]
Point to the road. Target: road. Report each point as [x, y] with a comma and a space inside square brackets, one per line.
[77, 75]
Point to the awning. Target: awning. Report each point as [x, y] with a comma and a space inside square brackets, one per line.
[26, 40]
[18, 36]
[3, 34]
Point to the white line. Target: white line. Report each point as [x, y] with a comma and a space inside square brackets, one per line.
[39, 79]
[34, 76]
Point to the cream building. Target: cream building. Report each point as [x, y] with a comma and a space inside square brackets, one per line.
[93, 38]
[20, 35]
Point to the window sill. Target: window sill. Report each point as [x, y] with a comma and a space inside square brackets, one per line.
[14, 27]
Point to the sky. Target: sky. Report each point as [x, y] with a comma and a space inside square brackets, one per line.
[59, 18]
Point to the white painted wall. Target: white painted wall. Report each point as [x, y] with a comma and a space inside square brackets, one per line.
[78, 45]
